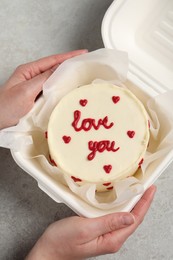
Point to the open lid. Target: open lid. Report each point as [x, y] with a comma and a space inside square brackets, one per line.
[144, 29]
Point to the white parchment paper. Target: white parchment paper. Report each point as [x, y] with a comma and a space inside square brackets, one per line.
[28, 137]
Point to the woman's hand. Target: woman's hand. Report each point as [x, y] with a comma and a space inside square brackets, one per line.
[77, 238]
[18, 94]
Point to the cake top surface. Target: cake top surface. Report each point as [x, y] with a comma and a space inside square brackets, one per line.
[98, 133]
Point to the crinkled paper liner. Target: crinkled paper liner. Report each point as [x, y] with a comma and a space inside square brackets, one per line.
[28, 137]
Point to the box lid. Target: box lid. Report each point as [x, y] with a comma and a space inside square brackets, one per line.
[144, 29]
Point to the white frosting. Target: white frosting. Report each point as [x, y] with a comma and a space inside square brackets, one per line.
[123, 135]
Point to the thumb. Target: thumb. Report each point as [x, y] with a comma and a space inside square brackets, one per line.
[102, 225]
[34, 86]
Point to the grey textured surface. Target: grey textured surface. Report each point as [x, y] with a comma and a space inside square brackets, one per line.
[30, 30]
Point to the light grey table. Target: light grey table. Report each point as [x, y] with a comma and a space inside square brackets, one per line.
[30, 30]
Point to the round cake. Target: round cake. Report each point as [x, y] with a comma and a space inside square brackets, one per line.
[98, 134]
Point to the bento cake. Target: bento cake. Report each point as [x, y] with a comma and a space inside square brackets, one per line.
[98, 134]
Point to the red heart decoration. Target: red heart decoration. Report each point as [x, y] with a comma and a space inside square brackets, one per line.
[131, 134]
[75, 179]
[66, 139]
[110, 188]
[141, 162]
[46, 135]
[107, 184]
[52, 161]
[107, 168]
[115, 99]
[83, 102]
[149, 124]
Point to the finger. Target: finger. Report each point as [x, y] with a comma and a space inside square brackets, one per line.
[28, 71]
[46, 63]
[115, 222]
[139, 212]
[141, 208]
[34, 86]
[111, 243]
[102, 225]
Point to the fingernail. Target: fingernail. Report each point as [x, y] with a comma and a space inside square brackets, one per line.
[128, 219]
[153, 189]
[54, 67]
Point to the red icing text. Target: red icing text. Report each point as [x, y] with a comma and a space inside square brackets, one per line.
[88, 123]
[101, 147]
